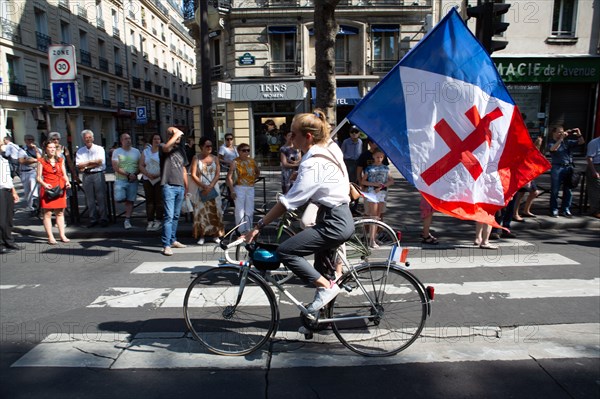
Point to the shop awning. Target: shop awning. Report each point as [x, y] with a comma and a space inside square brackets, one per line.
[344, 30]
[281, 30]
[344, 95]
[385, 28]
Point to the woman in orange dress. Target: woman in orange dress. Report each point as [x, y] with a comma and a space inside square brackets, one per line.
[51, 172]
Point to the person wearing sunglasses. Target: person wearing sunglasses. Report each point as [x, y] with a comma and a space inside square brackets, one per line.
[241, 178]
[63, 152]
[227, 153]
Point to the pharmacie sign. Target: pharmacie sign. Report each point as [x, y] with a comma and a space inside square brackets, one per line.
[548, 70]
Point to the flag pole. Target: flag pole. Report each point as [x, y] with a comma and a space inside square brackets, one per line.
[338, 127]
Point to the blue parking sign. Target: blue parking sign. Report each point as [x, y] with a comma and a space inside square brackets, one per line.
[141, 117]
[64, 94]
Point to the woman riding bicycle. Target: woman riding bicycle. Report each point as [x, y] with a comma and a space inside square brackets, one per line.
[323, 179]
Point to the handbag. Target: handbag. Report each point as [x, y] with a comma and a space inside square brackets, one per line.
[212, 194]
[572, 178]
[53, 193]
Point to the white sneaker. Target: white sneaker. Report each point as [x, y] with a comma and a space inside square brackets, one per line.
[200, 241]
[217, 240]
[127, 224]
[150, 226]
[322, 297]
[157, 225]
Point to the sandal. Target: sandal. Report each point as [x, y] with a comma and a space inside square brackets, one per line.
[529, 215]
[429, 240]
[488, 246]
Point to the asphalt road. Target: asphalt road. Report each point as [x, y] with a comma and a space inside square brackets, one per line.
[102, 318]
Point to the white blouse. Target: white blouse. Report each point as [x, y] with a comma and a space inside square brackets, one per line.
[320, 179]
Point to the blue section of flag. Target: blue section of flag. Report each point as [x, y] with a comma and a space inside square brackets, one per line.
[449, 49]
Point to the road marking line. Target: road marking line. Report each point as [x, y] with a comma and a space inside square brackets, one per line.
[164, 350]
[18, 286]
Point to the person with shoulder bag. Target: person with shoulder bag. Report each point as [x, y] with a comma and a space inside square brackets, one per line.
[240, 179]
[53, 180]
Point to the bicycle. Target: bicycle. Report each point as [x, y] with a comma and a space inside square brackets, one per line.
[232, 309]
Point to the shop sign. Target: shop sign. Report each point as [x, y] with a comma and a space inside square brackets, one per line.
[268, 91]
[548, 70]
[247, 59]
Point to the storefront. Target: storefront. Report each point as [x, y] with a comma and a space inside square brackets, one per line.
[554, 90]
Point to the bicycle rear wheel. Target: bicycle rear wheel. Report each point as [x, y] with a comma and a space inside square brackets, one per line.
[371, 242]
[221, 323]
[391, 323]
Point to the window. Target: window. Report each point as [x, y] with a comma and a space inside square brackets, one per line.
[119, 94]
[115, 18]
[45, 80]
[385, 47]
[41, 21]
[283, 49]
[83, 40]
[101, 48]
[117, 55]
[14, 70]
[65, 32]
[564, 18]
[215, 52]
[134, 69]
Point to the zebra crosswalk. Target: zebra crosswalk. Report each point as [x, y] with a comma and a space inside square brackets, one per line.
[471, 342]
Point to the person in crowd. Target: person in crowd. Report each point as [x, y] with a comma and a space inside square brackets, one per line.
[52, 172]
[8, 199]
[12, 153]
[561, 159]
[352, 148]
[365, 159]
[531, 188]
[240, 179]
[290, 158]
[482, 236]
[90, 160]
[427, 217]
[174, 182]
[142, 144]
[63, 152]
[376, 178]
[190, 148]
[149, 166]
[334, 223]
[593, 176]
[125, 161]
[28, 159]
[227, 152]
[205, 172]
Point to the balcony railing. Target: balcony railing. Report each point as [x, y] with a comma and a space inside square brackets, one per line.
[136, 82]
[148, 85]
[381, 66]
[100, 23]
[146, 56]
[43, 41]
[89, 100]
[46, 94]
[342, 67]
[116, 33]
[106, 103]
[120, 104]
[86, 57]
[10, 30]
[216, 72]
[118, 69]
[103, 64]
[282, 67]
[64, 4]
[17, 89]
[82, 12]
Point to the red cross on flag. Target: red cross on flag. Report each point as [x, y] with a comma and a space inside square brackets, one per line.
[445, 119]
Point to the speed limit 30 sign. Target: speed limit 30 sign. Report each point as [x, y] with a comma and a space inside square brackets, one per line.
[61, 59]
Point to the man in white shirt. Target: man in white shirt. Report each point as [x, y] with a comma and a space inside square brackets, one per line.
[12, 152]
[91, 163]
[8, 198]
[125, 164]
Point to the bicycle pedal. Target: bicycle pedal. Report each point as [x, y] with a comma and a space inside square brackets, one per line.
[346, 287]
[307, 333]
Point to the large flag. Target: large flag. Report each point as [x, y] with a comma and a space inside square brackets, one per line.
[445, 119]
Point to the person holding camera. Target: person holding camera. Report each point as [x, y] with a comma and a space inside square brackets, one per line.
[560, 152]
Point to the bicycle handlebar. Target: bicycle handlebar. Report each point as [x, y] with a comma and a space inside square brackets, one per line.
[233, 244]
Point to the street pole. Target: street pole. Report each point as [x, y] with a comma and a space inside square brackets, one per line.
[207, 120]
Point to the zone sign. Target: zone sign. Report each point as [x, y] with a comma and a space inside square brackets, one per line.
[62, 63]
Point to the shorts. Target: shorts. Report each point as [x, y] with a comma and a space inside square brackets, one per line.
[125, 190]
[381, 196]
[426, 209]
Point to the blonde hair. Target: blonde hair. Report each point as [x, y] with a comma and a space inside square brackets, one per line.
[314, 123]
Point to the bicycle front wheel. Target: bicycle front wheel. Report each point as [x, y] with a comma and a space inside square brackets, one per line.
[372, 241]
[224, 322]
[385, 309]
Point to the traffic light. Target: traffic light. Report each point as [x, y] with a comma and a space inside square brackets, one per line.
[489, 23]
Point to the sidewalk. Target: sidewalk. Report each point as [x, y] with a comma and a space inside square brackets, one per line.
[402, 214]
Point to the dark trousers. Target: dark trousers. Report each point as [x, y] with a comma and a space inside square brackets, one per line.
[7, 208]
[155, 209]
[94, 187]
[334, 227]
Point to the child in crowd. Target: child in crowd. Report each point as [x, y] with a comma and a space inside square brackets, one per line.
[240, 179]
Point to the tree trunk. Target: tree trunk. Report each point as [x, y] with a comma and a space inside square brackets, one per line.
[325, 31]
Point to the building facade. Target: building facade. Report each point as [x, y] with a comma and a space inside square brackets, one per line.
[262, 56]
[129, 53]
